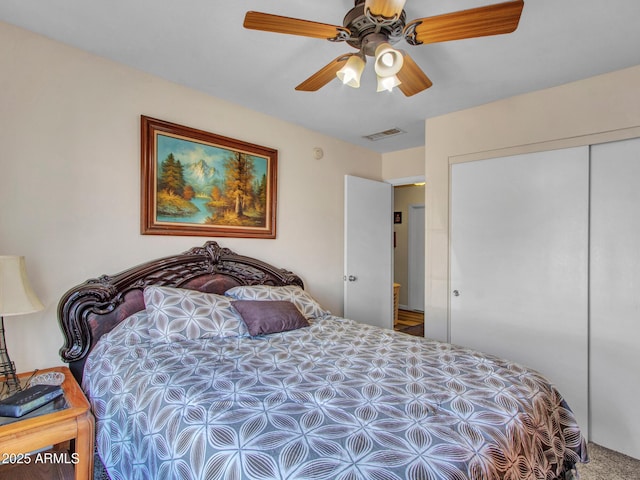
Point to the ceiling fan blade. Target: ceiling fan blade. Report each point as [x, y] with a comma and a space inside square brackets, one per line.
[476, 22]
[293, 26]
[384, 8]
[413, 79]
[324, 75]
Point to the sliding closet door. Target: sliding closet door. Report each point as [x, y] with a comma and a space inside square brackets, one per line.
[519, 263]
[615, 296]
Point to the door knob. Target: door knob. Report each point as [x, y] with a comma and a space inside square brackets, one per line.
[352, 278]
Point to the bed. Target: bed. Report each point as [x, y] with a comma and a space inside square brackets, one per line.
[210, 364]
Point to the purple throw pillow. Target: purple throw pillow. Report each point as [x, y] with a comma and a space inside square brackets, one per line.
[263, 318]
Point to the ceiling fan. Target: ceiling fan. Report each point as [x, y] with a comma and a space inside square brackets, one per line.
[373, 26]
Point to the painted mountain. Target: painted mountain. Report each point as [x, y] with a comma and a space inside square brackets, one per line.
[202, 177]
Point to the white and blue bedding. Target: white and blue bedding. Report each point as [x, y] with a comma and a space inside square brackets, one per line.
[332, 400]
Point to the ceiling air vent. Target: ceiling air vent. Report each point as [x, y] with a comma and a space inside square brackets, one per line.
[392, 132]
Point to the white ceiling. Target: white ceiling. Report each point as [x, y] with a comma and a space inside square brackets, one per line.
[202, 44]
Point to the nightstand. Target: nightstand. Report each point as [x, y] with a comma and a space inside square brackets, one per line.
[68, 420]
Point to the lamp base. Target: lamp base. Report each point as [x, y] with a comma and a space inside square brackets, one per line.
[7, 367]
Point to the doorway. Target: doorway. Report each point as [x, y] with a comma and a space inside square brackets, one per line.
[408, 253]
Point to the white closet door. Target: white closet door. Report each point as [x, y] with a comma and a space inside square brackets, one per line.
[519, 264]
[615, 296]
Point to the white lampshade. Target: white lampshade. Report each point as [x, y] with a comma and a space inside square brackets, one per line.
[387, 83]
[352, 71]
[389, 61]
[386, 8]
[16, 295]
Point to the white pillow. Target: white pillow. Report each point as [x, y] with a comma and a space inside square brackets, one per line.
[291, 293]
[179, 314]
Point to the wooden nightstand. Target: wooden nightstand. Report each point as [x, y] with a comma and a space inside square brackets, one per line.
[72, 422]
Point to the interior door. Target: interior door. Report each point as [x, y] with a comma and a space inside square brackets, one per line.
[519, 264]
[615, 297]
[368, 264]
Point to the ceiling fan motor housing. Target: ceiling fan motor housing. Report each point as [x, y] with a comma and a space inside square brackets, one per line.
[368, 32]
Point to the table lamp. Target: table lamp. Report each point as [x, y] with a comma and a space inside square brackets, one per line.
[16, 298]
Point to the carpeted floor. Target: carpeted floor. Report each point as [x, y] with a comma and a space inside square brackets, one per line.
[606, 464]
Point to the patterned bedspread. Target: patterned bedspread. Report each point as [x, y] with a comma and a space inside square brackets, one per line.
[336, 399]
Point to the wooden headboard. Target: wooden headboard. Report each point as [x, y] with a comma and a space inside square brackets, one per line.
[88, 311]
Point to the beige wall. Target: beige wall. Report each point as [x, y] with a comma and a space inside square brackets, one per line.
[403, 164]
[595, 110]
[70, 179]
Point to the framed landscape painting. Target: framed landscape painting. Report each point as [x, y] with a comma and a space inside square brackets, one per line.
[200, 183]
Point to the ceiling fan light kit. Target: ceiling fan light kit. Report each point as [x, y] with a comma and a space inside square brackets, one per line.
[373, 26]
[352, 71]
[387, 83]
[388, 60]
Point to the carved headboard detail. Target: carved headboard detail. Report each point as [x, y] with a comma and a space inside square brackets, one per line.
[93, 308]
